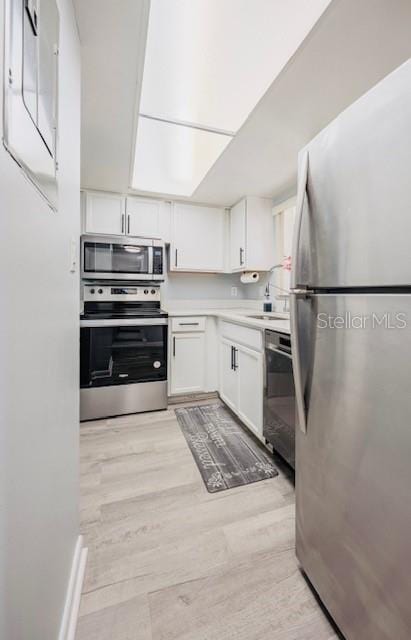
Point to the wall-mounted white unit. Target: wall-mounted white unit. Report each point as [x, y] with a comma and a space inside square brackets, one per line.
[31, 90]
[197, 238]
[252, 235]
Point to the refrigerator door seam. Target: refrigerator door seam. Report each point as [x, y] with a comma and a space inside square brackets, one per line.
[302, 191]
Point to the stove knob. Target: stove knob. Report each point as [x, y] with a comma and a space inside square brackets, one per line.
[92, 290]
[145, 291]
[153, 291]
[100, 290]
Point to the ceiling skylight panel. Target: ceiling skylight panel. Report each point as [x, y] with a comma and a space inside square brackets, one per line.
[209, 62]
[173, 159]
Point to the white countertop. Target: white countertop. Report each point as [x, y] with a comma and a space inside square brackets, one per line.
[280, 322]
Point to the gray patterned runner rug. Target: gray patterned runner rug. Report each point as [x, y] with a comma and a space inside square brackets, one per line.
[226, 454]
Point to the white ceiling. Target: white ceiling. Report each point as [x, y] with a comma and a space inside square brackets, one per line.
[112, 35]
[353, 45]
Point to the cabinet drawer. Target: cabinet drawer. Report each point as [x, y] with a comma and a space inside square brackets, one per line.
[251, 338]
[188, 324]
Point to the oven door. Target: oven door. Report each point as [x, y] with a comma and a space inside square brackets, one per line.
[117, 352]
[113, 258]
[279, 403]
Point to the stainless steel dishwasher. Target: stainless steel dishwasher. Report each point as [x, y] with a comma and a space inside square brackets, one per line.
[279, 395]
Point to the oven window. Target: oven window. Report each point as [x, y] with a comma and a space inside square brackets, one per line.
[122, 355]
[102, 257]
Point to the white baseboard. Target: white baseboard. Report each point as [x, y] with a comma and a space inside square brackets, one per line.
[74, 589]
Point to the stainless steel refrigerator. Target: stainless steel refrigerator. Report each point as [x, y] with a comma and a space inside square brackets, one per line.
[351, 323]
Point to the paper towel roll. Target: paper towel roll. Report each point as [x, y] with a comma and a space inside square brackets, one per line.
[249, 276]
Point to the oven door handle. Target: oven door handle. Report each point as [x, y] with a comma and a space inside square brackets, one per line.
[129, 322]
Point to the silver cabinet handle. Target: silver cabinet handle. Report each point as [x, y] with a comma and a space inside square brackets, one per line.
[174, 346]
[302, 192]
[232, 357]
[128, 224]
[235, 367]
[298, 379]
[188, 324]
[241, 256]
[176, 256]
[122, 222]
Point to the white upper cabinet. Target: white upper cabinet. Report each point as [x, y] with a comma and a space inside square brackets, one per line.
[252, 235]
[148, 218]
[238, 235]
[104, 213]
[143, 217]
[114, 214]
[198, 237]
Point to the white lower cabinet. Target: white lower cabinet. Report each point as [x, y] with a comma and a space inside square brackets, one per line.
[241, 383]
[187, 362]
[239, 350]
[228, 376]
[250, 388]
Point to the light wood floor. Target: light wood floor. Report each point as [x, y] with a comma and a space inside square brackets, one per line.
[169, 561]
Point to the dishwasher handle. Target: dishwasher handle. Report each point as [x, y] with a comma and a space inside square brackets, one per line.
[271, 347]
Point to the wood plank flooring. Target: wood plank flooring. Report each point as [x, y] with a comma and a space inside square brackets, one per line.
[169, 561]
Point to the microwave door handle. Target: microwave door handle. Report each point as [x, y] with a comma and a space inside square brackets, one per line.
[150, 260]
[301, 197]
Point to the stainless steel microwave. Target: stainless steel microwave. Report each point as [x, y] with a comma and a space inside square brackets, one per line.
[120, 258]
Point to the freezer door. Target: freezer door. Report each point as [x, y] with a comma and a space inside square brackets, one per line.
[353, 464]
[354, 226]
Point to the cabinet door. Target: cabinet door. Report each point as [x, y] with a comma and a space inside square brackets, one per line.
[260, 241]
[198, 238]
[104, 213]
[143, 217]
[187, 362]
[250, 388]
[238, 236]
[228, 375]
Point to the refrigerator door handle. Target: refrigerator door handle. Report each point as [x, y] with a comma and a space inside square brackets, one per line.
[298, 377]
[302, 191]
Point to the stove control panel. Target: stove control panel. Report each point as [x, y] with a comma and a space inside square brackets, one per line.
[113, 293]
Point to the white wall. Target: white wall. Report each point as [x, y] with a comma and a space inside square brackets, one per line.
[39, 375]
[201, 286]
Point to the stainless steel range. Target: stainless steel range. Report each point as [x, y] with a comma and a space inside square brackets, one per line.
[123, 350]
